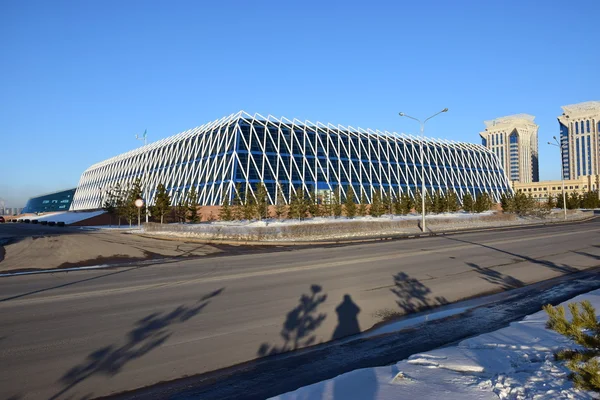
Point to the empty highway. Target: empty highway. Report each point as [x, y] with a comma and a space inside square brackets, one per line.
[93, 333]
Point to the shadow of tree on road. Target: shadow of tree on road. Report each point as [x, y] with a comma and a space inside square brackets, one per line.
[412, 295]
[300, 324]
[497, 278]
[553, 266]
[583, 253]
[148, 333]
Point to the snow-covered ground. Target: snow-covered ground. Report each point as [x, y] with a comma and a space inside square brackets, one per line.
[516, 362]
[67, 217]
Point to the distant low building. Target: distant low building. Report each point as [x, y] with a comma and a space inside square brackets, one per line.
[541, 190]
[50, 202]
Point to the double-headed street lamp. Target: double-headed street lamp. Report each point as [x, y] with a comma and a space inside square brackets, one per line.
[423, 193]
[559, 145]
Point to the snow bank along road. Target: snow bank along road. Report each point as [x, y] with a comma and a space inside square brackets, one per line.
[95, 333]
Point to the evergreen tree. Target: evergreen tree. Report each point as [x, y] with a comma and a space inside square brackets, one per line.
[326, 206]
[119, 195]
[349, 204]
[452, 204]
[249, 205]
[376, 205]
[406, 204]
[467, 202]
[397, 205]
[418, 202]
[573, 200]
[523, 204]
[438, 202]
[560, 201]
[482, 203]
[225, 213]
[280, 206]
[162, 202]
[386, 204]
[584, 330]
[313, 205]
[193, 206]
[590, 200]
[362, 207]
[134, 193]
[109, 204]
[238, 212]
[551, 202]
[336, 204]
[262, 202]
[507, 202]
[428, 203]
[181, 208]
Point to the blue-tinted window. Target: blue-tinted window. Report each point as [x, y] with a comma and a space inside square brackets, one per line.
[492, 136]
[588, 125]
[578, 157]
[581, 124]
[484, 141]
[576, 128]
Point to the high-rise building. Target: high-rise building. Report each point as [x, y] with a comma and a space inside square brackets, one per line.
[579, 138]
[514, 140]
[237, 152]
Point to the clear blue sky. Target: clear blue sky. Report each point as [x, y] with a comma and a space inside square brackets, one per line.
[78, 79]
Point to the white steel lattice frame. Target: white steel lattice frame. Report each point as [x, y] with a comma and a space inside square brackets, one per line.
[247, 149]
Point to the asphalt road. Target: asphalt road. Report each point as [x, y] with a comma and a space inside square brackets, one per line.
[88, 334]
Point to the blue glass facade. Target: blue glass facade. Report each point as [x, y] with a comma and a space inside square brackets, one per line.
[52, 202]
[564, 143]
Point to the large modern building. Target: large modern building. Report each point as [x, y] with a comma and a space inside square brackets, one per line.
[541, 190]
[579, 138]
[244, 149]
[514, 139]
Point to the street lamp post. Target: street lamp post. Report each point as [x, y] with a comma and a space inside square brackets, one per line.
[422, 156]
[145, 175]
[562, 175]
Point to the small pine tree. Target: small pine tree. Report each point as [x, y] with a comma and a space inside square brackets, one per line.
[181, 208]
[109, 204]
[467, 202]
[482, 203]
[438, 202]
[397, 205]
[134, 193]
[225, 213]
[313, 205]
[428, 203]
[406, 204]
[584, 330]
[376, 205]
[362, 207]
[573, 200]
[237, 210]
[280, 205]
[452, 204]
[193, 206]
[262, 202]
[551, 202]
[418, 202]
[386, 204]
[507, 202]
[336, 204]
[249, 205]
[162, 202]
[560, 203]
[349, 204]
[326, 206]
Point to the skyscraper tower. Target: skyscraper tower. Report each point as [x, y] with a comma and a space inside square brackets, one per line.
[579, 129]
[514, 140]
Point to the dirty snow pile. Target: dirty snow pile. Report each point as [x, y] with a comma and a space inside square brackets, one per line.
[67, 217]
[516, 362]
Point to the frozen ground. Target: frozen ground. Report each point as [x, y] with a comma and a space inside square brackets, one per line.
[516, 362]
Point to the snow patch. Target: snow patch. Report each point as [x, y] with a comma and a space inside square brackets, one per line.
[516, 362]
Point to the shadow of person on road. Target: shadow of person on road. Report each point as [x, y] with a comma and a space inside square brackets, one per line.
[300, 324]
[347, 313]
[148, 333]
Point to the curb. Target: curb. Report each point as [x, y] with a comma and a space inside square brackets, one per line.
[364, 239]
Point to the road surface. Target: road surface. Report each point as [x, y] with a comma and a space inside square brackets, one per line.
[89, 334]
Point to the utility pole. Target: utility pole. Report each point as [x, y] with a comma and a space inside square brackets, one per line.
[146, 189]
